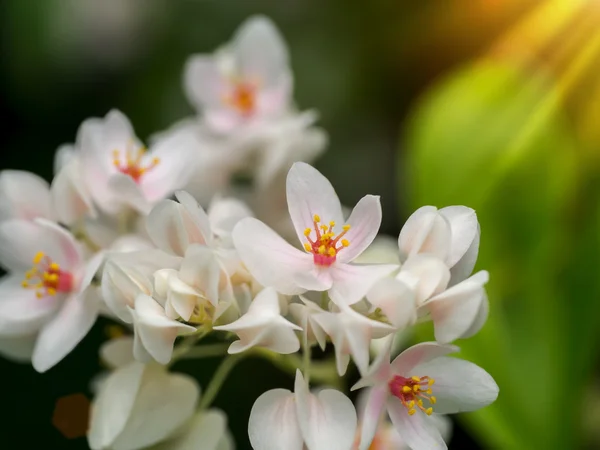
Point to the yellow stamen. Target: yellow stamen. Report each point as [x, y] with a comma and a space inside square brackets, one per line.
[346, 227]
[432, 400]
[415, 378]
[332, 224]
[54, 267]
[411, 412]
[307, 231]
[38, 257]
[429, 411]
[345, 242]
[332, 252]
[322, 250]
[431, 381]
[24, 284]
[51, 291]
[307, 247]
[316, 218]
[406, 389]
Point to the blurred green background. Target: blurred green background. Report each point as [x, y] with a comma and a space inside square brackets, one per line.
[490, 103]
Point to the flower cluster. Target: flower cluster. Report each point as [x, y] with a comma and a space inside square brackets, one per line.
[166, 242]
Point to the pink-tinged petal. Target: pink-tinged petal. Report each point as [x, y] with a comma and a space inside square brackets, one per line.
[480, 318]
[269, 258]
[113, 405]
[417, 431]
[66, 330]
[327, 419]
[203, 83]
[425, 231]
[24, 195]
[201, 270]
[70, 198]
[261, 52]
[460, 386]
[273, 423]
[127, 191]
[21, 240]
[419, 354]
[464, 229]
[309, 193]
[371, 415]
[426, 275]
[464, 267]
[223, 121]
[364, 222]
[455, 311]
[314, 279]
[166, 227]
[197, 214]
[396, 300]
[165, 402]
[21, 312]
[351, 282]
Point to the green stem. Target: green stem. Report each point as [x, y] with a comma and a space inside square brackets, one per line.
[205, 351]
[218, 379]
[187, 344]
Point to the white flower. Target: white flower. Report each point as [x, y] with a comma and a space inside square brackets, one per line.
[119, 172]
[247, 82]
[155, 333]
[351, 334]
[281, 419]
[47, 288]
[418, 382]
[451, 233]
[263, 326]
[140, 405]
[70, 196]
[305, 315]
[24, 195]
[324, 263]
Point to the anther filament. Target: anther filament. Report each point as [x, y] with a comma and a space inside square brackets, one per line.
[412, 391]
[46, 277]
[133, 164]
[325, 245]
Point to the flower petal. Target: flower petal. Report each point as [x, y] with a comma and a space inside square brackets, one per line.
[364, 222]
[273, 423]
[454, 311]
[205, 431]
[24, 195]
[127, 191]
[270, 259]
[225, 213]
[261, 52]
[480, 318]
[417, 431]
[371, 415]
[460, 385]
[419, 354]
[117, 352]
[66, 330]
[426, 275]
[327, 420]
[464, 229]
[70, 198]
[309, 193]
[464, 267]
[200, 269]
[113, 405]
[425, 231]
[165, 226]
[396, 301]
[351, 282]
[203, 83]
[197, 214]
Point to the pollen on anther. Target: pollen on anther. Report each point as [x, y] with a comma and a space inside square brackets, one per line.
[307, 231]
[38, 257]
[316, 218]
[346, 227]
[345, 242]
[307, 247]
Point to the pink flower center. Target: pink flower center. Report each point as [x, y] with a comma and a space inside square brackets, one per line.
[325, 245]
[412, 391]
[46, 277]
[242, 98]
[132, 164]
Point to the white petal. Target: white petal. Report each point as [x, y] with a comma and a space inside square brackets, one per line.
[454, 311]
[419, 354]
[426, 275]
[205, 431]
[273, 423]
[117, 352]
[270, 259]
[70, 197]
[21, 312]
[364, 222]
[66, 330]
[197, 213]
[464, 267]
[327, 420]
[464, 228]
[417, 431]
[396, 301]
[480, 318]
[351, 282]
[371, 415]
[164, 403]
[113, 405]
[309, 193]
[260, 51]
[166, 227]
[203, 83]
[127, 191]
[425, 231]
[201, 270]
[225, 213]
[460, 385]
[24, 195]
[90, 270]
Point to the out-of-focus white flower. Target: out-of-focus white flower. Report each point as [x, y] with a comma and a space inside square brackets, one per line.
[155, 333]
[383, 250]
[47, 288]
[70, 196]
[139, 405]
[119, 172]
[422, 374]
[249, 81]
[324, 265]
[304, 315]
[451, 234]
[281, 419]
[263, 326]
[24, 195]
[351, 334]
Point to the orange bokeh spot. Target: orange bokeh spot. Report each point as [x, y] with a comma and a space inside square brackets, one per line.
[71, 415]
